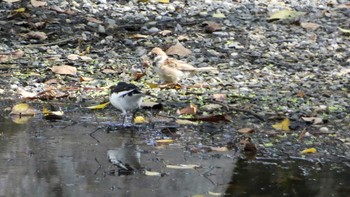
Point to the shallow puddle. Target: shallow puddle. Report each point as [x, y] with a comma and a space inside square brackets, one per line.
[68, 158]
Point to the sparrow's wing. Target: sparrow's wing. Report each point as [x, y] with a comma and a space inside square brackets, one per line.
[178, 64]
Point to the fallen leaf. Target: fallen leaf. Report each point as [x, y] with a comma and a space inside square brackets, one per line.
[100, 106]
[301, 94]
[73, 57]
[26, 94]
[138, 36]
[64, 70]
[151, 105]
[191, 109]
[139, 120]
[108, 71]
[152, 173]
[215, 193]
[284, 125]
[85, 58]
[164, 142]
[218, 15]
[285, 14]
[219, 149]
[211, 26]
[36, 3]
[310, 26]
[94, 20]
[19, 10]
[309, 150]
[185, 122]
[138, 76]
[163, 1]
[178, 49]
[86, 79]
[347, 31]
[52, 115]
[11, 56]
[183, 38]
[246, 130]
[220, 97]
[11, 1]
[18, 119]
[313, 120]
[22, 109]
[165, 32]
[183, 166]
[36, 35]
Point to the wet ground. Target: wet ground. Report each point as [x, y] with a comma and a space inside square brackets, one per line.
[67, 158]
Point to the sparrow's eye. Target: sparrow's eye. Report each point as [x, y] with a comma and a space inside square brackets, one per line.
[152, 55]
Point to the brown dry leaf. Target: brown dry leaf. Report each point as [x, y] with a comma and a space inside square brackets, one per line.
[310, 26]
[50, 93]
[86, 79]
[191, 109]
[85, 58]
[73, 57]
[22, 109]
[220, 97]
[138, 76]
[314, 120]
[246, 130]
[301, 94]
[64, 70]
[284, 125]
[11, 56]
[214, 118]
[178, 49]
[108, 71]
[211, 26]
[37, 3]
[94, 20]
[36, 35]
[60, 10]
[53, 81]
[183, 38]
[26, 94]
[345, 5]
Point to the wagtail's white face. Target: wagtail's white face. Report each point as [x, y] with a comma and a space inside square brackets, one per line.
[125, 97]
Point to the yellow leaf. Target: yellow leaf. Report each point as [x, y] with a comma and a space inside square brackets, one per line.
[309, 150]
[48, 112]
[284, 14]
[183, 166]
[140, 119]
[284, 125]
[152, 173]
[163, 1]
[100, 106]
[347, 31]
[152, 85]
[19, 10]
[20, 119]
[22, 109]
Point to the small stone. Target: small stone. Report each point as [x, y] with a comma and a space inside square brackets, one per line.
[153, 30]
[101, 29]
[324, 130]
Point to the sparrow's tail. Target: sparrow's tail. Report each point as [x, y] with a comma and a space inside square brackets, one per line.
[209, 68]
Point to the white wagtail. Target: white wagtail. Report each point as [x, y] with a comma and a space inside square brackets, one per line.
[126, 97]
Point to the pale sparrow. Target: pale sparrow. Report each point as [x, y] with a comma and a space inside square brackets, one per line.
[172, 70]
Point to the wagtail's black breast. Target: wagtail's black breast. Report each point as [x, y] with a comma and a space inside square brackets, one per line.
[123, 86]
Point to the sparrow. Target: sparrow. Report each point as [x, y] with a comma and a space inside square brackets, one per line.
[126, 97]
[171, 70]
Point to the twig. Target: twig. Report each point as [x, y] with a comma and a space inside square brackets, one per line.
[51, 43]
[91, 134]
[229, 108]
[99, 166]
